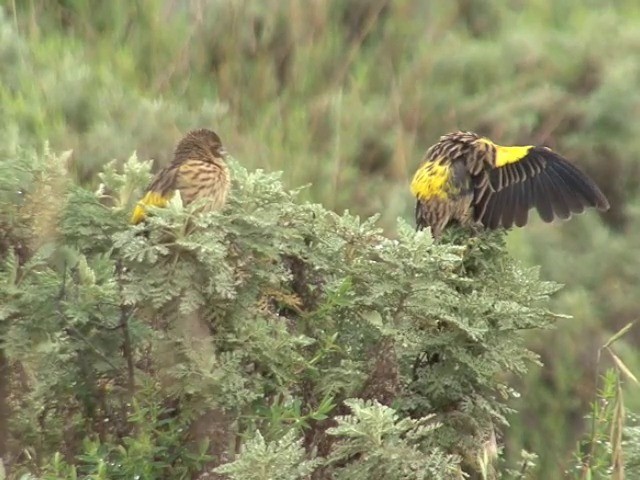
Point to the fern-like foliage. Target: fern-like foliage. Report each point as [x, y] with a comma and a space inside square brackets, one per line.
[274, 337]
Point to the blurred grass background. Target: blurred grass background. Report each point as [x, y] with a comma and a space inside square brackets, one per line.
[346, 96]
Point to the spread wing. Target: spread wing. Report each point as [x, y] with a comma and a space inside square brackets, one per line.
[540, 178]
[158, 192]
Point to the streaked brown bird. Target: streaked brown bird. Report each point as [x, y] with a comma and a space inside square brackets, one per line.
[198, 171]
[469, 180]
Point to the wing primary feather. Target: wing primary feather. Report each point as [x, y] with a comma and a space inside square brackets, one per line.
[498, 207]
[522, 214]
[496, 180]
[574, 199]
[542, 202]
[573, 178]
[480, 208]
[555, 194]
[581, 184]
[481, 191]
[509, 204]
[488, 211]
[518, 174]
[514, 176]
[506, 175]
[517, 204]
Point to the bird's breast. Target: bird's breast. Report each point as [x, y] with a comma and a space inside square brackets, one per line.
[200, 180]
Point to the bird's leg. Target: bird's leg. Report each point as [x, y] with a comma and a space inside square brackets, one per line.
[436, 232]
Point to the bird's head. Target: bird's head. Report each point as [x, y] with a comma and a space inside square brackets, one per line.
[468, 138]
[202, 143]
[454, 144]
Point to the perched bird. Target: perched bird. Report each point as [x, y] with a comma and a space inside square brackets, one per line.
[469, 180]
[198, 171]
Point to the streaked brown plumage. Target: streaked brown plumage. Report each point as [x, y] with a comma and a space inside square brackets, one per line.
[468, 179]
[198, 171]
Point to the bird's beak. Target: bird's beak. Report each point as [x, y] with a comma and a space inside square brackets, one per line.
[223, 152]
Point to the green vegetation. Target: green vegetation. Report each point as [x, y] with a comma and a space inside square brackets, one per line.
[154, 356]
[346, 97]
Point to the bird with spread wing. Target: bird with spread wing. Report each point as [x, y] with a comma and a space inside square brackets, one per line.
[469, 180]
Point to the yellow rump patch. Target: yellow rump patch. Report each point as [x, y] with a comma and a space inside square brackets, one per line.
[150, 199]
[430, 181]
[507, 155]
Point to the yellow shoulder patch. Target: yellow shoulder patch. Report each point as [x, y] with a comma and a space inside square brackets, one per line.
[430, 181]
[507, 155]
[150, 199]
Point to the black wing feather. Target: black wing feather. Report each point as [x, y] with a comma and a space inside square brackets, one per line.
[510, 206]
[542, 179]
[518, 206]
[487, 213]
[579, 183]
[575, 201]
[556, 194]
[165, 181]
[522, 214]
[541, 199]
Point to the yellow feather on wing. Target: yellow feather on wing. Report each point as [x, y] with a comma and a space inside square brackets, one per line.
[506, 155]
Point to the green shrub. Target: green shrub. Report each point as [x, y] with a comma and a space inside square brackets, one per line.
[347, 96]
[151, 357]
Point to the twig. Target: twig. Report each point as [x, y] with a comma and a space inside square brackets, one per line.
[4, 402]
[127, 348]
